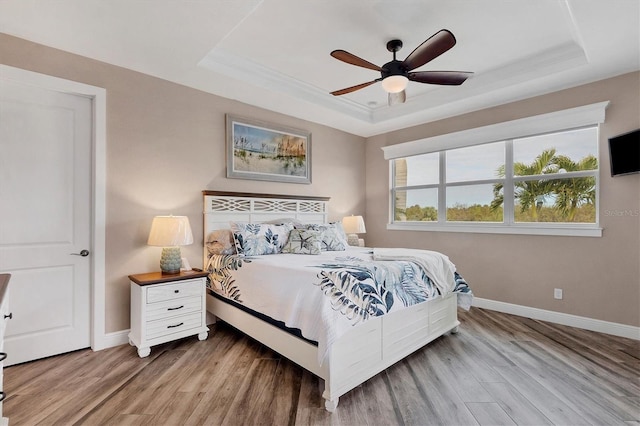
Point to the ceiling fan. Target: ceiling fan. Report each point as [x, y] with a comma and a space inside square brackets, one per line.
[396, 74]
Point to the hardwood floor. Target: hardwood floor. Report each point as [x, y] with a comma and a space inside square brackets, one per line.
[499, 369]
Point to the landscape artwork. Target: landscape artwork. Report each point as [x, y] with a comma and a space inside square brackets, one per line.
[263, 151]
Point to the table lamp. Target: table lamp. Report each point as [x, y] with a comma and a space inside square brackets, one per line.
[353, 225]
[170, 232]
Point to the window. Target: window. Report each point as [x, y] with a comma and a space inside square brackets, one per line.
[545, 183]
[416, 178]
[471, 174]
[567, 191]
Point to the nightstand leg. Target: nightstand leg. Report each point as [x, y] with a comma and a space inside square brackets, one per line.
[331, 404]
[144, 352]
[203, 335]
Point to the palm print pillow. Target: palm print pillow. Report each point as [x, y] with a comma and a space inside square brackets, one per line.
[257, 239]
[334, 238]
[304, 241]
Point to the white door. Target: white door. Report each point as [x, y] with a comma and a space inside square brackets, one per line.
[45, 214]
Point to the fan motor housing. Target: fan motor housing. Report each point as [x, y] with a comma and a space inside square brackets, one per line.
[393, 68]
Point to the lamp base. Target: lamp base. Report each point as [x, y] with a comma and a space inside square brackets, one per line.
[170, 260]
[352, 240]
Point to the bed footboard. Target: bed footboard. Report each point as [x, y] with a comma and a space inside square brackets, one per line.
[382, 341]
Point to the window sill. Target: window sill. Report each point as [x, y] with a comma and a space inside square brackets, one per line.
[476, 228]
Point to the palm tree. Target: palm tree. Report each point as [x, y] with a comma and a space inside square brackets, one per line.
[498, 194]
[576, 192]
[531, 193]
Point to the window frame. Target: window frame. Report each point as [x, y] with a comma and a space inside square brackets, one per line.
[565, 120]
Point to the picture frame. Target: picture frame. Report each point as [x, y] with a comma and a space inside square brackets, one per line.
[258, 150]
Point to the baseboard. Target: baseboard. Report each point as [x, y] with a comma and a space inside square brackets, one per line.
[109, 340]
[600, 326]
[118, 338]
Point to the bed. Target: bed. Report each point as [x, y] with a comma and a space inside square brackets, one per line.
[307, 318]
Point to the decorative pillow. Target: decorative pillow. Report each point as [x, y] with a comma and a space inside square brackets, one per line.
[220, 241]
[257, 239]
[304, 241]
[334, 238]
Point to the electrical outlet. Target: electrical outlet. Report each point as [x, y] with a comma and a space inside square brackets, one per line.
[557, 293]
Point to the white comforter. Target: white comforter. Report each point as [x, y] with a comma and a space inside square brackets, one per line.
[326, 295]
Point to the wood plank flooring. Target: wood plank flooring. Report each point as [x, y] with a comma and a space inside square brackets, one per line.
[498, 370]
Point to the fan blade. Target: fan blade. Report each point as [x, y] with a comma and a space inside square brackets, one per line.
[352, 59]
[451, 78]
[430, 49]
[354, 88]
[397, 98]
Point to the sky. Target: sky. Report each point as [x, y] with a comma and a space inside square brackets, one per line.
[257, 138]
[482, 161]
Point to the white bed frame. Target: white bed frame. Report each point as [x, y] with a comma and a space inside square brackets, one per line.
[360, 354]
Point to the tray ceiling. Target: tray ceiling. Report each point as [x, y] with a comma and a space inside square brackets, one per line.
[275, 53]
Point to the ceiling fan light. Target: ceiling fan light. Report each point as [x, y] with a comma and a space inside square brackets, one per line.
[395, 83]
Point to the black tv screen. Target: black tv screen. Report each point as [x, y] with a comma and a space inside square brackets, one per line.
[624, 152]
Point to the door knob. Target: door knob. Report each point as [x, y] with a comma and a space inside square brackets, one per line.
[83, 253]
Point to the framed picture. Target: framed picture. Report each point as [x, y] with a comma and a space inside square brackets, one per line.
[263, 151]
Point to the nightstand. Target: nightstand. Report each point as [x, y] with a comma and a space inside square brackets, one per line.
[167, 307]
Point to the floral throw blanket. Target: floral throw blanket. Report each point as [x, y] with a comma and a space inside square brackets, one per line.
[359, 289]
[325, 295]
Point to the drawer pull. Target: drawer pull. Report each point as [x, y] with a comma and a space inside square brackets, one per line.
[2, 396]
[10, 316]
[3, 356]
[175, 309]
[176, 291]
[174, 326]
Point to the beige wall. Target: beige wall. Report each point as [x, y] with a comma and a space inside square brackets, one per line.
[599, 276]
[165, 144]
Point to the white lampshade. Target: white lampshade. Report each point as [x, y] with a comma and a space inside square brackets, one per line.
[395, 83]
[170, 231]
[353, 225]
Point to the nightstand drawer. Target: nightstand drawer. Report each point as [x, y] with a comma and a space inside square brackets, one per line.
[172, 291]
[172, 308]
[177, 324]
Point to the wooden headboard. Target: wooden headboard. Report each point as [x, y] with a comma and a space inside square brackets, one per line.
[221, 207]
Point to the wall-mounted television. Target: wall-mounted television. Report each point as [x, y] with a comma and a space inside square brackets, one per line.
[624, 153]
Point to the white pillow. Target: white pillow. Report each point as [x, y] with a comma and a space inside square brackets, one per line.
[296, 223]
